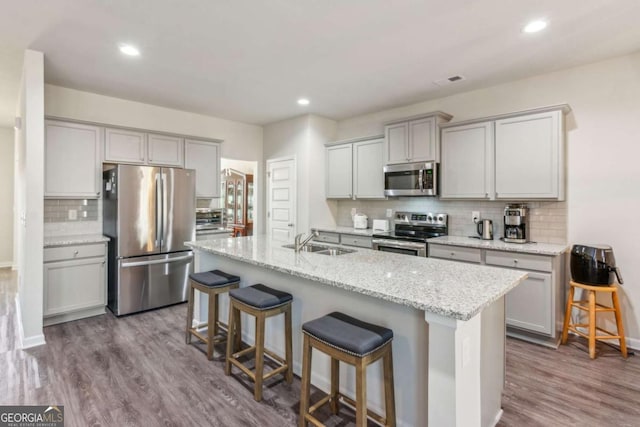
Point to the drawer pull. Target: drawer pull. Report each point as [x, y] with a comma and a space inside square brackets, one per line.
[75, 253]
[515, 261]
[453, 254]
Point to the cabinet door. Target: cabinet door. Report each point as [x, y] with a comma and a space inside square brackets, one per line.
[74, 285]
[204, 157]
[529, 150]
[339, 172]
[422, 140]
[368, 178]
[529, 305]
[125, 146]
[72, 160]
[164, 150]
[467, 162]
[396, 143]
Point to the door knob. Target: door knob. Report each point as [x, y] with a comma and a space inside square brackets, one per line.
[289, 225]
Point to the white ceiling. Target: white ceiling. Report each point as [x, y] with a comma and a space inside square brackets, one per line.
[250, 60]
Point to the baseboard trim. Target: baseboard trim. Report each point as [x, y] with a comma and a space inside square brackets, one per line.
[498, 417]
[6, 264]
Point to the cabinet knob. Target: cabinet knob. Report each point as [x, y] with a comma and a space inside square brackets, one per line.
[453, 253]
[515, 261]
[75, 253]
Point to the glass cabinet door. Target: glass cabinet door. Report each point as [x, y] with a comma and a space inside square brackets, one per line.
[230, 201]
[240, 202]
[250, 202]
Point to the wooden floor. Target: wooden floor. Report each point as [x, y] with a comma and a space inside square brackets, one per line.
[137, 371]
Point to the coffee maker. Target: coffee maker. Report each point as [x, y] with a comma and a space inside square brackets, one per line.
[516, 223]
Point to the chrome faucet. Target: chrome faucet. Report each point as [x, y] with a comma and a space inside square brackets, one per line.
[298, 246]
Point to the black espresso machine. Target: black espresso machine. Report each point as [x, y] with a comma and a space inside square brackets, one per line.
[594, 265]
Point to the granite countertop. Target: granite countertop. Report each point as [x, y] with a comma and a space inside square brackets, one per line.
[448, 288]
[75, 239]
[350, 230]
[499, 245]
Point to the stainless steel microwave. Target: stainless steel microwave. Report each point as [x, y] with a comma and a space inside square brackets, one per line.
[411, 179]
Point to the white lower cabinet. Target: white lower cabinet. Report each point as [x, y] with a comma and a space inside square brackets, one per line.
[534, 308]
[74, 282]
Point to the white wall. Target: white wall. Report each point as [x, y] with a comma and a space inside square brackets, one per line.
[30, 177]
[304, 138]
[603, 135]
[6, 197]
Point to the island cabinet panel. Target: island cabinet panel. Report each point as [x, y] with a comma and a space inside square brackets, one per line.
[204, 157]
[164, 150]
[528, 156]
[125, 146]
[74, 282]
[339, 184]
[72, 160]
[467, 162]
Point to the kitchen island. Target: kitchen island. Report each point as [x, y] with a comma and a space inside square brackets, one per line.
[449, 370]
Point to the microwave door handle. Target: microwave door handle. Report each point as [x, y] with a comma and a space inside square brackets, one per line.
[421, 179]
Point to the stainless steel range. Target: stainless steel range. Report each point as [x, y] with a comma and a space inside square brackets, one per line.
[410, 233]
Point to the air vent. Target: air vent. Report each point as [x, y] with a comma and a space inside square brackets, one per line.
[449, 80]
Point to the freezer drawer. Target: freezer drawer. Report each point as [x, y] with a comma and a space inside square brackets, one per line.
[143, 283]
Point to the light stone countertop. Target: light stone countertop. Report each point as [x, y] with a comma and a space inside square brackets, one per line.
[349, 230]
[499, 245]
[75, 239]
[448, 288]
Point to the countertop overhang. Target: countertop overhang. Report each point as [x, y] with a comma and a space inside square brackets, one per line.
[447, 288]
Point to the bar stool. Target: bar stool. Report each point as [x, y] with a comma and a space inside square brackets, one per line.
[261, 302]
[212, 283]
[592, 308]
[357, 343]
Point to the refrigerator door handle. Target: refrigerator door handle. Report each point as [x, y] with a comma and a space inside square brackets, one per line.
[163, 178]
[156, 261]
[158, 210]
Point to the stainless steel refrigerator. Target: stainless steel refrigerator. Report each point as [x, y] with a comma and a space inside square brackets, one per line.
[148, 212]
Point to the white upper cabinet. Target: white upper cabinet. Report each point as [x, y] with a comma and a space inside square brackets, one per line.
[414, 140]
[529, 157]
[467, 162]
[125, 146]
[204, 157]
[518, 156]
[354, 169]
[165, 150]
[72, 160]
[339, 160]
[368, 161]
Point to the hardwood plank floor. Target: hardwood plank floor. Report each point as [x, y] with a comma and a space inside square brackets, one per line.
[137, 371]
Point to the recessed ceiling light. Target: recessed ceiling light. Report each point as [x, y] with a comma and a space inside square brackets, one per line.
[303, 101]
[535, 26]
[129, 50]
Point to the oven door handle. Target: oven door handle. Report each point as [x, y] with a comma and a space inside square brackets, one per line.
[398, 244]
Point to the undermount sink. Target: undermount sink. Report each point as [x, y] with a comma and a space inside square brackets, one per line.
[323, 250]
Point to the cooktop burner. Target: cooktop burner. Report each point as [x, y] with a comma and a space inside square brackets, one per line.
[417, 227]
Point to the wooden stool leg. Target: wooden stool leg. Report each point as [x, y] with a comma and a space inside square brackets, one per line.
[259, 373]
[306, 380]
[335, 386]
[288, 345]
[189, 314]
[231, 330]
[211, 315]
[238, 329]
[215, 315]
[618, 313]
[567, 316]
[389, 389]
[361, 394]
[592, 324]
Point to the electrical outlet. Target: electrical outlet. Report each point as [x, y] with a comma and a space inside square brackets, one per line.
[475, 216]
[73, 214]
[389, 213]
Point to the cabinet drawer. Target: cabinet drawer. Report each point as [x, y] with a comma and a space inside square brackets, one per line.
[328, 237]
[360, 241]
[455, 253]
[519, 260]
[74, 252]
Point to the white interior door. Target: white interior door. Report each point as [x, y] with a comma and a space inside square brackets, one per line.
[281, 199]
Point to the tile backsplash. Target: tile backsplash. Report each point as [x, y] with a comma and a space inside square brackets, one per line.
[58, 214]
[547, 220]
